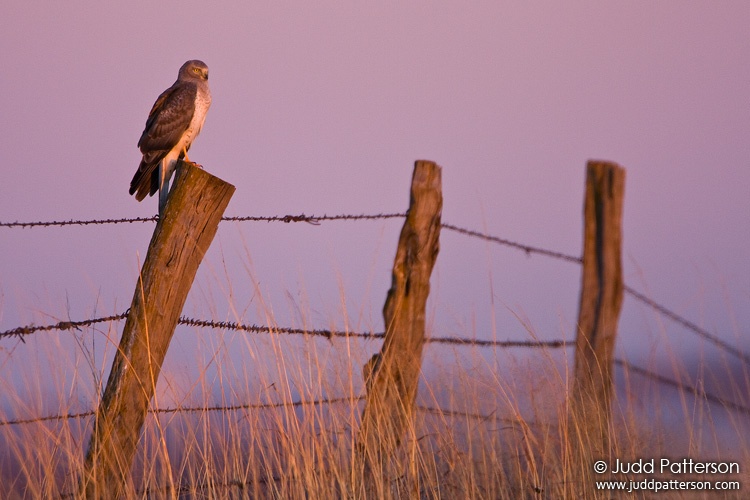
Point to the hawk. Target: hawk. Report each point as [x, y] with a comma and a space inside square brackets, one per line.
[173, 124]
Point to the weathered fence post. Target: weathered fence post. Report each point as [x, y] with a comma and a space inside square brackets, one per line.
[182, 236]
[391, 376]
[599, 310]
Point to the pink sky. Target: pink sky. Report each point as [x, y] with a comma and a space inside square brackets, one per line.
[323, 109]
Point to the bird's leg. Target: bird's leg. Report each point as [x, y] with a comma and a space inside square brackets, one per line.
[163, 186]
[184, 152]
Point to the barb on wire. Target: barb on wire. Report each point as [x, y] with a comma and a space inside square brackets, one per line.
[313, 219]
[701, 393]
[329, 334]
[229, 325]
[310, 219]
[520, 246]
[225, 325]
[78, 222]
[259, 406]
[62, 325]
[513, 424]
[69, 416]
[688, 324]
[193, 409]
[256, 406]
[316, 220]
[441, 412]
[551, 344]
[629, 290]
[21, 331]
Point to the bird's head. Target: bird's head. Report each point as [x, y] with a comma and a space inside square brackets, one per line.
[194, 69]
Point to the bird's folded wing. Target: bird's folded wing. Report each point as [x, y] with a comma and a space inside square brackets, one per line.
[169, 118]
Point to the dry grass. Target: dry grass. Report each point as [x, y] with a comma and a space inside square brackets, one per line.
[492, 424]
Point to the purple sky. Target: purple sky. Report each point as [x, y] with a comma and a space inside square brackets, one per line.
[324, 109]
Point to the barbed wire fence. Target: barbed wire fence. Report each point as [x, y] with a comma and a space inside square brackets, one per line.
[329, 334]
[265, 406]
[21, 332]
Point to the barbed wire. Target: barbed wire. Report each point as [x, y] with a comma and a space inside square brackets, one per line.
[520, 246]
[229, 325]
[310, 219]
[68, 416]
[329, 334]
[700, 393]
[67, 325]
[61, 325]
[315, 220]
[688, 324]
[259, 406]
[182, 489]
[191, 409]
[73, 222]
[686, 387]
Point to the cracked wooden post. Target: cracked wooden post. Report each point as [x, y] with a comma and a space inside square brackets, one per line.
[599, 310]
[191, 217]
[392, 375]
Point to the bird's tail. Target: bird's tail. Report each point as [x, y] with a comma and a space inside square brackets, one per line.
[146, 179]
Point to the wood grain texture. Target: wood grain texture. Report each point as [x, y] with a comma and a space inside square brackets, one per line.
[392, 375]
[181, 238]
[600, 304]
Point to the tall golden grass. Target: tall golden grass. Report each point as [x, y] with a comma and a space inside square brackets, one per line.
[491, 424]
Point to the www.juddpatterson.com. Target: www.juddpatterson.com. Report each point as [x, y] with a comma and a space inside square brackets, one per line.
[666, 466]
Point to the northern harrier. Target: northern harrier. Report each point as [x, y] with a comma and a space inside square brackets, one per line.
[172, 125]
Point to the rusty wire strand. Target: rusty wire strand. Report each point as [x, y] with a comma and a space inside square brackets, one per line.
[329, 334]
[689, 388]
[62, 325]
[72, 222]
[66, 325]
[699, 393]
[69, 416]
[191, 409]
[257, 406]
[236, 483]
[227, 325]
[315, 220]
[230, 325]
[520, 246]
[310, 219]
[688, 324]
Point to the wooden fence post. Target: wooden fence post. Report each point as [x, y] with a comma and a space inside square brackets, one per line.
[599, 310]
[392, 375]
[182, 236]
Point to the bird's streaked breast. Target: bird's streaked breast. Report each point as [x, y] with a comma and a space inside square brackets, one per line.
[202, 103]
